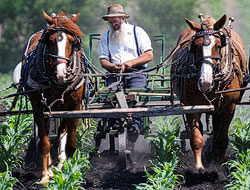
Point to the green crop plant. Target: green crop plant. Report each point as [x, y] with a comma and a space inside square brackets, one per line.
[240, 172]
[14, 135]
[163, 177]
[6, 180]
[241, 136]
[164, 143]
[71, 177]
[239, 166]
[84, 135]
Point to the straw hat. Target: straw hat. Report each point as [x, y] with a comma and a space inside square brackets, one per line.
[114, 11]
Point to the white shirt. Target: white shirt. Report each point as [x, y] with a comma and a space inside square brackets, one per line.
[126, 51]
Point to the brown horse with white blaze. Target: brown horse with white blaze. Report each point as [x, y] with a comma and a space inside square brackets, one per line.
[210, 58]
[53, 65]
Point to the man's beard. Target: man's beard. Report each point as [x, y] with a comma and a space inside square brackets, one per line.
[117, 36]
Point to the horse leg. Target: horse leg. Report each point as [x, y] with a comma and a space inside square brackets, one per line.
[221, 126]
[67, 142]
[43, 134]
[44, 148]
[71, 140]
[62, 136]
[196, 139]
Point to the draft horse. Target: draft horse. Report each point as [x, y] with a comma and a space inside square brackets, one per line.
[210, 58]
[52, 74]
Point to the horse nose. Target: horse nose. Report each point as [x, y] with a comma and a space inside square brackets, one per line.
[61, 73]
[204, 85]
[61, 79]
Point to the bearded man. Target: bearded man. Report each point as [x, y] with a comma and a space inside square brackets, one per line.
[127, 48]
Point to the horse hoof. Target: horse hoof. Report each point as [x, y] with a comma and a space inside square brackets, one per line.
[60, 165]
[45, 180]
[201, 170]
[51, 174]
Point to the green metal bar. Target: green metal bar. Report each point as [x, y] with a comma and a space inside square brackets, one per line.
[92, 36]
[162, 39]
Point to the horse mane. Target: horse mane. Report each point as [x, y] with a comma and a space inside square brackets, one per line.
[62, 20]
[209, 22]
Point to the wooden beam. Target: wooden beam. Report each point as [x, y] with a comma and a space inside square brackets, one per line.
[131, 112]
[138, 104]
[148, 94]
[244, 103]
[155, 103]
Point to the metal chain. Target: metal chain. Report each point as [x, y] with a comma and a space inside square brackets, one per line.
[209, 101]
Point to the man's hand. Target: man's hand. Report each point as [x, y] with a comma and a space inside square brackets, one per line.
[111, 67]
[127, 65]
[117, 67]
[139, 61]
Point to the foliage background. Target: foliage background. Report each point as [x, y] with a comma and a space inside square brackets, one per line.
[21, 18]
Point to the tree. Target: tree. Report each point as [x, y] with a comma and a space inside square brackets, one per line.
[25, 18]
[164, 17]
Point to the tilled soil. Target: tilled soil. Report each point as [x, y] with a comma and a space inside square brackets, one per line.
[106, 172]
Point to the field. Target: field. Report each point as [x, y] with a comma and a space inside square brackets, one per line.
[170, 167]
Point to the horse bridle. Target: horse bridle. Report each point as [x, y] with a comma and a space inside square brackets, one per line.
[75, 61]
[76, 45]
[205, 33]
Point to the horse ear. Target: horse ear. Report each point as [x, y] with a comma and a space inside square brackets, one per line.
[75, 18]
[47, 18]
[193, 25]
[220, 23]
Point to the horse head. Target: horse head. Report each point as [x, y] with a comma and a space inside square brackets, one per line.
[206, 45]
[61, 38]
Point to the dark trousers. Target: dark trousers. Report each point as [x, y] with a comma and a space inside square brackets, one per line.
[136, 80]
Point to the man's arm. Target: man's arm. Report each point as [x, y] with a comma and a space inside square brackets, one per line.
[139, 61]
[109, 66]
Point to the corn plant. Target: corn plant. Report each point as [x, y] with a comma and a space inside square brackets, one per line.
[164, 141]
[6, 180]
[240, 165]
[12, 139]
[71, 177]
[240, 175]
[166, 149]
[163, 177]
[84, 136]
[241, 136]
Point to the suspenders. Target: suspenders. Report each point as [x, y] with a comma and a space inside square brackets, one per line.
[136, 43]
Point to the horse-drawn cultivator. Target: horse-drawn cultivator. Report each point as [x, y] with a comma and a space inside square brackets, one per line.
[157, 99]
